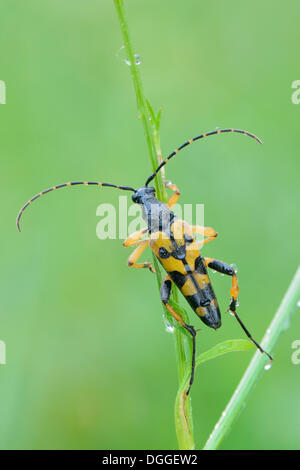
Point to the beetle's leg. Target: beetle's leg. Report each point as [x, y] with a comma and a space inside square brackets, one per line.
[203, 242]
[135, 238]
[234, 291]
[208, 232]
[173, 199]
[133, 258]
[165, 292]
[229, 271]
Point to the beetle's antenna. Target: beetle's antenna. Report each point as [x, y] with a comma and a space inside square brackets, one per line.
[188, 142]
[71, 183]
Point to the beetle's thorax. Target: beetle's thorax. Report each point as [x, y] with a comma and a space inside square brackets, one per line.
[155, 213]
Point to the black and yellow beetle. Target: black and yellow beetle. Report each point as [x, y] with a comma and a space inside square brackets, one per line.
[173, 243]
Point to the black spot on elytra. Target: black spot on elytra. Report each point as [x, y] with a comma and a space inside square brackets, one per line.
[178, 278]
[179, 252]
[163, 253]
[200, 266]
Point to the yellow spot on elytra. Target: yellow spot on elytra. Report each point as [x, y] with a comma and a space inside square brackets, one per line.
[201, 311]
[202, 279]
[188, 288]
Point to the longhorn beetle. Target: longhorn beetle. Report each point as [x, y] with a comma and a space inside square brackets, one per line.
[173, 243]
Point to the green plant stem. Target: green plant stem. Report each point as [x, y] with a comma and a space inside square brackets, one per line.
[256, 366]
[183, 407]
[184, 427]
[138, 88]
[183, 410]
[181, 398]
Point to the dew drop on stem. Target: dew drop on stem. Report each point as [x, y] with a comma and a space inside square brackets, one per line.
[121, 54]
[168, 326]
[138, 60]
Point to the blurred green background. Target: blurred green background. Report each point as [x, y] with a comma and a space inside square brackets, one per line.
[89, 364]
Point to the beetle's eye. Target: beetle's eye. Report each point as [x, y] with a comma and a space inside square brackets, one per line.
[163, 253]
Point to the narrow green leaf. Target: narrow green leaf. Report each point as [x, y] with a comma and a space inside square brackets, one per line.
[181, 423]
[158, 118]
[231, 345]
[152, 114]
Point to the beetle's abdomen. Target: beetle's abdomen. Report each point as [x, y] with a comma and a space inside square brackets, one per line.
[198, 291]
[179, 255]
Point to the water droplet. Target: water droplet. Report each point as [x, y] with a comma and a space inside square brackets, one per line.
[121, 54]
[234, 267]
[268, 366]
[138, 59]
[298, 303]
[168, 326]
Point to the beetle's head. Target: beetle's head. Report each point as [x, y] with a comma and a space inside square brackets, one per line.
[143, 193]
